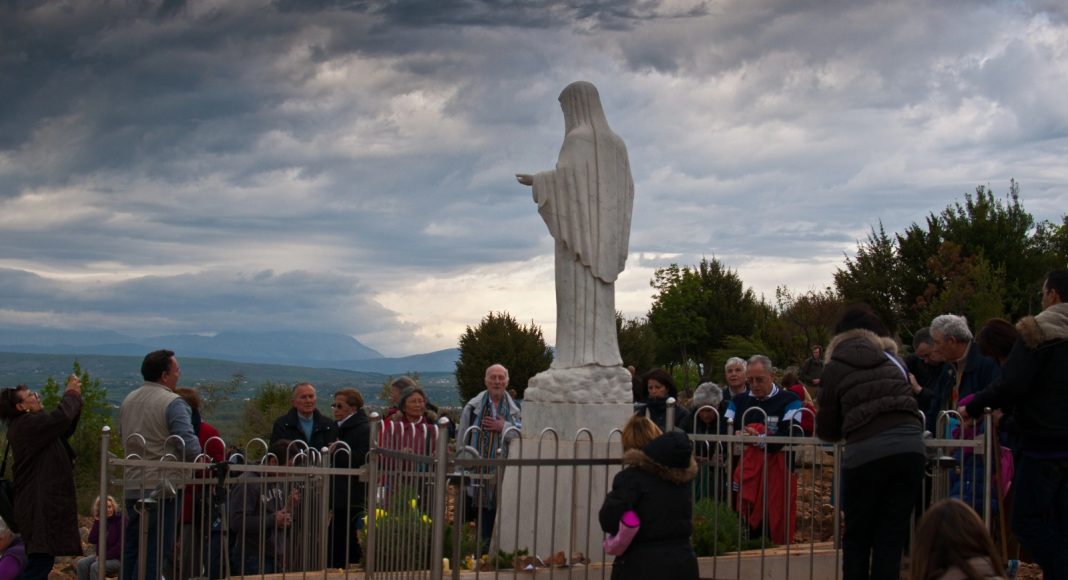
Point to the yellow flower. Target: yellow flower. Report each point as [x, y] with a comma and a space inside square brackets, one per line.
[426, 519]
[412, 503]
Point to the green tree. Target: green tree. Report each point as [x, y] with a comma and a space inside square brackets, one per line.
[498, 338]
[637, 342]
[966, 285]
[739, 346]
[1002, 232]
[85, 442]
[269, 402]
[805, 319]
[874, 277]
[696, 308]
[995, 248]
[215, 394]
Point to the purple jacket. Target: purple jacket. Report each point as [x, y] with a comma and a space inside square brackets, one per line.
[115, 525]
[13, 560]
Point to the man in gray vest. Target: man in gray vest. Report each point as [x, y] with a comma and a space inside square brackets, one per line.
[154, 423]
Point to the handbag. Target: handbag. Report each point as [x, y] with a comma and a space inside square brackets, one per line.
[617, 543]
[7, 495]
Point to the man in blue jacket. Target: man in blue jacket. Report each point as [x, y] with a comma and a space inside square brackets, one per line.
[967, 371]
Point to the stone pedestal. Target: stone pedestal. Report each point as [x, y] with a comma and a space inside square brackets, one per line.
[567, 414]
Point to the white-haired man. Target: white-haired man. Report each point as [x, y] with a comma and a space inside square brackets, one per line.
[766, 410]
[968, 370]
[488, 421]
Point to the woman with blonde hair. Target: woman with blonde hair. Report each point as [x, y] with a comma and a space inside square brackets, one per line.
[639, 432]
[89, 567]
[952, 543]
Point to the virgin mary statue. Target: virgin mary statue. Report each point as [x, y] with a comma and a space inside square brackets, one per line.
[586, 202]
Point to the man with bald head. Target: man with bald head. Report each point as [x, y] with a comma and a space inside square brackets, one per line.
[489, 420]
[304, 422]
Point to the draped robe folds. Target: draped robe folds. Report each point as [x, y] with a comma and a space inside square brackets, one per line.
[586, 203]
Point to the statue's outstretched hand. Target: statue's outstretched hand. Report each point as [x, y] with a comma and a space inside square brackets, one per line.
[524, 179]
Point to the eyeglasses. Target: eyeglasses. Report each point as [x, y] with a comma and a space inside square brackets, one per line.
[30, 395]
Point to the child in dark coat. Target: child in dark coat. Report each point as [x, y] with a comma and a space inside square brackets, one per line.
[655, 483]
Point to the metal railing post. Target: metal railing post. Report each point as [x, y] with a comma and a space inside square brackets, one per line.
[327, 461]
[988, 463]
[437, 539]
[670, 420]
[372, 495]
[102, 541]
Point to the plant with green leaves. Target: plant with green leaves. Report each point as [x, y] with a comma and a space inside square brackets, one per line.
[696, 308]
[401, 523]
[271, 400]
[637, 342]
[716, 530]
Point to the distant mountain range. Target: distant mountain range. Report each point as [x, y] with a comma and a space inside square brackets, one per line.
[121, 374]
[306, 349]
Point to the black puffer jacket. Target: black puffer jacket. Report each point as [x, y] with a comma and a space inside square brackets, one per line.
[655, 482]
[862, 390]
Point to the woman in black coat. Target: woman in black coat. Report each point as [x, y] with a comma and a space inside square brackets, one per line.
[348, 493]
[655, 483]
[657, 387]
[46, 508]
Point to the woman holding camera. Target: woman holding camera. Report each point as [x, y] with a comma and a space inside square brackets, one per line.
[46, 509]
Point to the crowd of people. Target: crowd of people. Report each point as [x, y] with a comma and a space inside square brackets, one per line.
[878, 403]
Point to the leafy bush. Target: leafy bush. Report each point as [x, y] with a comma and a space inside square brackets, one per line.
[500, 339]
[469, 542]
[716, 529]
[401, 524]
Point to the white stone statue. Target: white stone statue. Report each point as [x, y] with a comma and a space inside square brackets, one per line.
[586, 202]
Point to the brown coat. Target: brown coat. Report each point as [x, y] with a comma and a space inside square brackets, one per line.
[862, 391]
[46, 505]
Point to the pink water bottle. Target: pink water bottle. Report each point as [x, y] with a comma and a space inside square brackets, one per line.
[617, 543]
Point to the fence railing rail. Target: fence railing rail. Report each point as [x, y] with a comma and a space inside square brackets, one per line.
[427, 507]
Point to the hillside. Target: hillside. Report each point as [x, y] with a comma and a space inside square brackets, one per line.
[120, 374]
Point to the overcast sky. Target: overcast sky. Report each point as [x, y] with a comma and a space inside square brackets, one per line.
[201, 166]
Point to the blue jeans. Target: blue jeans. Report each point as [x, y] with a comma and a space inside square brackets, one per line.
[133, 530]
[1040, 514]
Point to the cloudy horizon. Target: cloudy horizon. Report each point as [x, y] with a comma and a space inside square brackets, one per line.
[347, 166]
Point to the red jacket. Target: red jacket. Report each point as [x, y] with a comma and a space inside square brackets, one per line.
[749, 483]
[196, 494]
[808, 413]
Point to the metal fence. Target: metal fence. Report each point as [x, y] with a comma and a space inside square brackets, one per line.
[434, 509]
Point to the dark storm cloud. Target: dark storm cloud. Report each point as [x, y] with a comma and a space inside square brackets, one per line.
[609, 14]
[381, 138]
